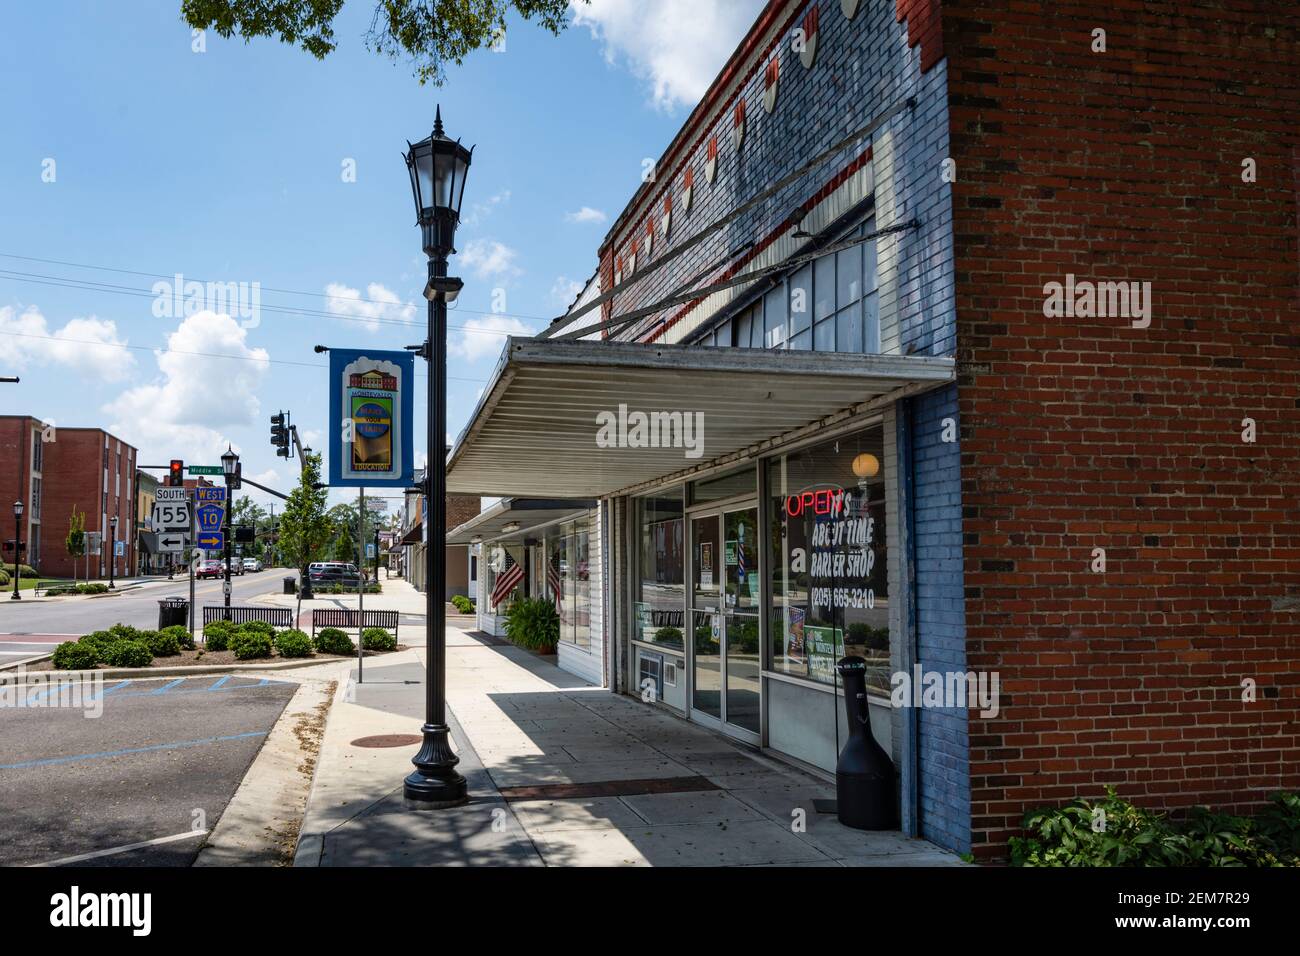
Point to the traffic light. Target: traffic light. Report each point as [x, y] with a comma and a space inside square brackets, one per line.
[280, 434]
[238, 483]
[176, 474]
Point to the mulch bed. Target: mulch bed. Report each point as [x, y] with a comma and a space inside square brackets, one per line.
[218, 658]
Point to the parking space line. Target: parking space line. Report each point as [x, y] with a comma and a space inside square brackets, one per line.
[118, 686]
[176, 745]
[166, 687]
[219, 683]
[113, 851]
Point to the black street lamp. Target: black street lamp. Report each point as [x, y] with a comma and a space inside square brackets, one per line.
[437, 166]
[18, 546]
[230, 468]
[112, 550]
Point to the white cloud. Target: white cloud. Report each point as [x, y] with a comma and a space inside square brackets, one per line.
[564, 291]
[676, 46]
[182, 412]
[481, 210]
[379, 305]
[488, 258]
[484, 336]
[89, 347]
[585, 214]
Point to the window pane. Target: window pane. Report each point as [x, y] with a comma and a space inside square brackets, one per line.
[871, 310]
[774, 318]
[802, 341]
[661, 584]
[800, 301]
[580, 574]
[824, 287]
[849, 329]
[824, 340]
[830, 593]
[742, 330]
[848, 267]
[756, 335]
[869, 279]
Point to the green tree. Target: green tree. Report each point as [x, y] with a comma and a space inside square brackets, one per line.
[305, 528]
[75, 542]
[428, 33]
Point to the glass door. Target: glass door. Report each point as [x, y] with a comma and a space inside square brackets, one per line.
[724, 593]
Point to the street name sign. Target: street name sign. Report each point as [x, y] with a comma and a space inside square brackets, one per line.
[204, 469]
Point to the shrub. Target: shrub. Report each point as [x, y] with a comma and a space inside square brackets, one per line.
[331, 640]
[161, 643]
[217, 635]
[182, 635]
[124, 632]
[533, 623]
[123, 653]
[249, 644]
[1113, 832]
[293, 643]
[257, 627]
[94, 587]
[378, 639]
[58, 590]
[463, 604]
[75, 656]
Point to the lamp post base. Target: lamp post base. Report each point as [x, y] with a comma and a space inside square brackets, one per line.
[434, 784]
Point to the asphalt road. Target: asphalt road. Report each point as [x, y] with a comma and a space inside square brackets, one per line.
[162, 760]
[34, 627]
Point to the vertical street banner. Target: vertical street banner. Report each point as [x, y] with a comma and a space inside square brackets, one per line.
[371, 395]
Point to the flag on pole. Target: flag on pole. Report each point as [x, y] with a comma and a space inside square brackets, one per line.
[507, 580]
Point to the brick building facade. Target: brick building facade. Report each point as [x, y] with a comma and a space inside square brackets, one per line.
[1087, 216]
[56, 470]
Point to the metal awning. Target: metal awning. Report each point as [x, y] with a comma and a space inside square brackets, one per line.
[148, 541]
[415, 535]
[528, 514]
[535, 430]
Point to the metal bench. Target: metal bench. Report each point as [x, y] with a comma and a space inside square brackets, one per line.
[346, 619]
[275, 616]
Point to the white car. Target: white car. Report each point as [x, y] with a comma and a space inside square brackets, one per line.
[252, 564]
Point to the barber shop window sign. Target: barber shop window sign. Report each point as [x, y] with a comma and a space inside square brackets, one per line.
[370, 415]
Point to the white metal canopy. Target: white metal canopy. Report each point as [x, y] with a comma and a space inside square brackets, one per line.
[534, 432]
[521, 515]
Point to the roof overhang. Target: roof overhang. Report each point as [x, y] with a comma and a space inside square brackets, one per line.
[521, 515]
[537, 430]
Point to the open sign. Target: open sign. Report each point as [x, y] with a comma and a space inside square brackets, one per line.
[820, 501]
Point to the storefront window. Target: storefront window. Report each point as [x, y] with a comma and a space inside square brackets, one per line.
[568, 580]
[742, 481]
[661, 566]
[830, 593]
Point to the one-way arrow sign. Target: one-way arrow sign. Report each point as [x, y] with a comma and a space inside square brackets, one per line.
[212, 540]
[172, 542]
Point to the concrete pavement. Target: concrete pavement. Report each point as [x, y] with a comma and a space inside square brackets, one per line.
[563, 774]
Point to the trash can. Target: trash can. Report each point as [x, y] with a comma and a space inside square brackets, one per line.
[173, 611]
[864, 775]
[290, 585]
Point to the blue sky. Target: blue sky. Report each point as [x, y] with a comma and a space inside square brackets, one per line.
[228, 165]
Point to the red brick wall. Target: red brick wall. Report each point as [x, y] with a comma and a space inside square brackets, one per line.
[15, 468]
[1089, 433]
[74, 475]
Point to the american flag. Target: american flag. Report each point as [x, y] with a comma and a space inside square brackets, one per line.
[507, 580]
[555, 583]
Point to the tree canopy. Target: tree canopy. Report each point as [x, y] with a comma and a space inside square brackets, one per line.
[428, 33]
[305, 528]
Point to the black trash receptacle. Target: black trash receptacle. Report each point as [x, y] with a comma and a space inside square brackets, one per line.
[290, 585]
[173, 611]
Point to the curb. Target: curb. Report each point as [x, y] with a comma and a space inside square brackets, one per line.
[189, 669]
[311, 846]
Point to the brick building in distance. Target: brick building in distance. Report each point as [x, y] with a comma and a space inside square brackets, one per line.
[55, 470]
[988, 314]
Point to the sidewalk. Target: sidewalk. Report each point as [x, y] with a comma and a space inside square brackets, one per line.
[563, 774]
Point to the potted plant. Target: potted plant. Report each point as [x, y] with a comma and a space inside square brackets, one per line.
[533, 624]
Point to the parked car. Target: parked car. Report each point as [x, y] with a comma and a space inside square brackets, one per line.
[334, 572]
[210, 569]
[252, 564]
